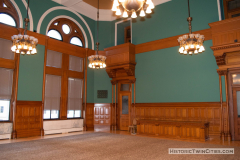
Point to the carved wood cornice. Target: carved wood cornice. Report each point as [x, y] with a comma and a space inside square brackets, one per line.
[222, 72]
[232, 45]
[132, 80]
[114, 82]
[111, 73]
[221, 59]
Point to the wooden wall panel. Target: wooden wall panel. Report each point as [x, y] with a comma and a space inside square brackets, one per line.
[199, 111]
[90, 115]
[29, 118]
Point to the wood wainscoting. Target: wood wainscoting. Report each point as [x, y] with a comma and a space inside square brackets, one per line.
[28, 119]
[102, 116]
[185, 111]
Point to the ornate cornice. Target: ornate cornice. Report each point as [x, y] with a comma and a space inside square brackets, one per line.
[221, 60]
[214, 48]
[111, 73]
[114, 82]
[222, 72]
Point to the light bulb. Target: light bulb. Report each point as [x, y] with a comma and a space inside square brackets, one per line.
[197, 46]
[116, 3]
[134, 15]
[125, 14]
[181, 51]
[17, 51]
[104, 65]
[118, 13]
[200, 51]
[140, 0]
[34, 51]
[22, 52]
[148, 1]
[93, 66]
[114, 8]
[186, 47]
[24, 47]
[96, 63]
[190, 52]
[202, 48]
[142, 13]
[192, 46]
[148, 10]
[28, 52]
[101, 67]
[196, 52]
[185, 52]
[19, 46]
[100, 64]
[121, 0]
[30, 48]
[151, 5]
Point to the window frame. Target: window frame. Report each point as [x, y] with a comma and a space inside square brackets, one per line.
[229, 13]
[57, 32]
[67, 37]
[10, 10]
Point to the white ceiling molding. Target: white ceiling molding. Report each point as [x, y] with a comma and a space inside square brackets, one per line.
[91, 12]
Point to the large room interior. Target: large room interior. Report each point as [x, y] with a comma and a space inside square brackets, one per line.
[119, 79]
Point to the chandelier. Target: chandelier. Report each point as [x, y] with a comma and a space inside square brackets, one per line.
[97, 61]
[132, 6]
[24, 44]
[192, 43]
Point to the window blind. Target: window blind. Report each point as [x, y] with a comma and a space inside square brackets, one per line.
[6, 81]
[5, 49]
[74, 94]
[75, 63]
[52, 92]
[54, 59]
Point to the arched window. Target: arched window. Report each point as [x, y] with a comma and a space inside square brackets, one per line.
[54, 34]
[8, 14]
[67, 30]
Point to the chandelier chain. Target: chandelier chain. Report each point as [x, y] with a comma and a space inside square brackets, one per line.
[97, 28]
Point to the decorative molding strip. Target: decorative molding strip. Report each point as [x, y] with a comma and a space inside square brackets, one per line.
[167, 42]
[214, 48]
[221, 59]
[19, 13]
[87, 10]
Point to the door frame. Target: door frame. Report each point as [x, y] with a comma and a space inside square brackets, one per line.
[231, 86]
[235, 110]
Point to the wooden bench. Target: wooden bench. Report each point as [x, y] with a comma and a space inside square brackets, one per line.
[191, 130]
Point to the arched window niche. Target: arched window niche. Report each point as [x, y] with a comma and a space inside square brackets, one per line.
[68, 30]
[8, 14]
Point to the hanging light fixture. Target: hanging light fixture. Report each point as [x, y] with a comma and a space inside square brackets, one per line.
[97, 61]
[24, 44]
[132, 6]
[192, 43]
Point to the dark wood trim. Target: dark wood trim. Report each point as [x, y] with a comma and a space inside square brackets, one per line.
[74, 74]
[167, 42]
[53, 71]
[7, 63]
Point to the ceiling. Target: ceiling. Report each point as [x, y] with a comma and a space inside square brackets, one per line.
[103, 4]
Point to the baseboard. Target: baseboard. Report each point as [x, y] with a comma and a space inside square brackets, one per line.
[62, 131]
[5, 136]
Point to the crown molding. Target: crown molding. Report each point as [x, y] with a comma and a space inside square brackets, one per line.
[91, 12]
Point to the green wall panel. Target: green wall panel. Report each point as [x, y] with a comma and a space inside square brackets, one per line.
[167, 76]
[30, 81]
[170, 19]
[102, 82]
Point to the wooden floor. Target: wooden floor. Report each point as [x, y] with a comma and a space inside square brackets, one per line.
[212, 140]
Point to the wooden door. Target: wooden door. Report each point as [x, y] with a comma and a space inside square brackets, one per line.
[124, 102]
[236, 112]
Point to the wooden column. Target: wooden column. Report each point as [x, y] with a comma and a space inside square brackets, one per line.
[114, 124]
[220, 73]
[227, 131]
[85, 93]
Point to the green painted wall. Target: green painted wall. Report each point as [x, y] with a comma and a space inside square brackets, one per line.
[170, 19]
[30, 81]
[167, 76]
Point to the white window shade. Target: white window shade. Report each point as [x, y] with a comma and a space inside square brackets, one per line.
[52, 92]
[75, 63]
[54, 59]
[6, 81]
[74, 94]
[5, 49]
